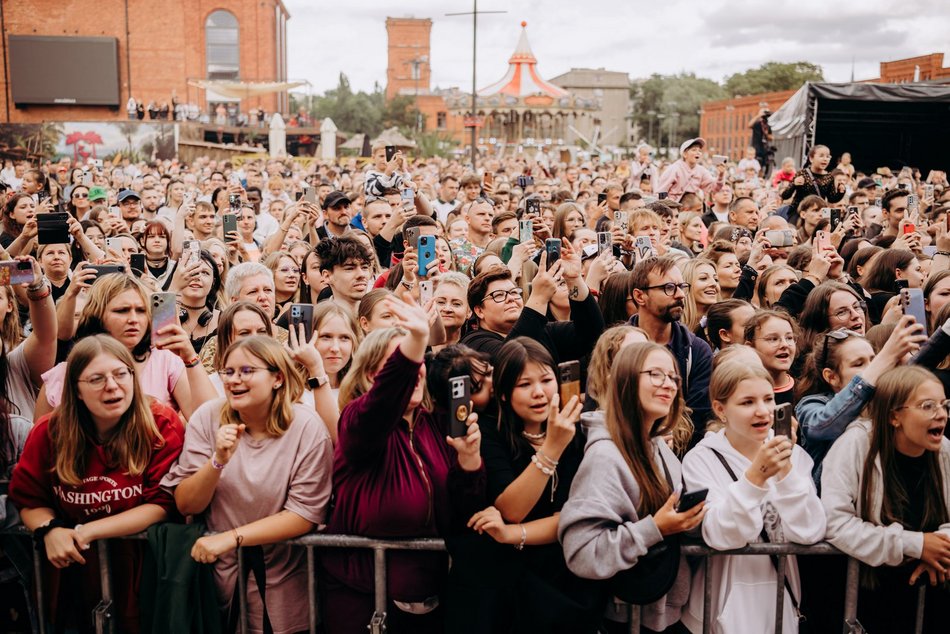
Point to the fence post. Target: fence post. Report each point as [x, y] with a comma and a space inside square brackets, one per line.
[312, 588]
[102, 614]
[921, 606]
[781, 562]
[378, 624]
[40, 593]
[707, 596]
[851, 597]
[242, 593]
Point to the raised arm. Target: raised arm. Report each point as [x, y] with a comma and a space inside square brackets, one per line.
[40, 347]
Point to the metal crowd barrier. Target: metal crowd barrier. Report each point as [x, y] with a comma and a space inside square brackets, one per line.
[103, 617]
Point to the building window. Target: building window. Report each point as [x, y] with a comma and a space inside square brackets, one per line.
[222, 50]
[440, 118]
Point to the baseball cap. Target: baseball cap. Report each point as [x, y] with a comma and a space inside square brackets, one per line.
[701, 142]
[125, 194]
[335, 199]
[98, 193]
[866, 183]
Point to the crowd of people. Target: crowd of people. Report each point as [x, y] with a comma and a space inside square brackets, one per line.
[561, 369]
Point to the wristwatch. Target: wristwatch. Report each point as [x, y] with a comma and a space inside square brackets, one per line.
[316, 382]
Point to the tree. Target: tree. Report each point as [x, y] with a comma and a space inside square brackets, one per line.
[772, 77]
[678, 98]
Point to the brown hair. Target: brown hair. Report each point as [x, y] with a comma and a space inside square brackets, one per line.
[72, 431]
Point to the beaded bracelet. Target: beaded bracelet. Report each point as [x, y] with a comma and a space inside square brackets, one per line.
[549, 461]
[524, 537]
[548, 471]
[193, 362]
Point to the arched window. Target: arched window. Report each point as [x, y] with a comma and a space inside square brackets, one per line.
[222, 48]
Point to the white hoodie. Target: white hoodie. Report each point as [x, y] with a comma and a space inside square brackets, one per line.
[743, 586]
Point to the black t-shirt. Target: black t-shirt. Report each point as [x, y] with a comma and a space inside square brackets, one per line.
[911, 472]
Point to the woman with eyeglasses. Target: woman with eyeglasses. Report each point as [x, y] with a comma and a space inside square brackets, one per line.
[774, 335]
[257, 466]
[78, 205]
[760, 490]
[885, 487]
[286, 278]
[91, 470]
[829, 306]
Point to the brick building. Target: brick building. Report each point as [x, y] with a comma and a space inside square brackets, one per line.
[161, 44]
[725, 123]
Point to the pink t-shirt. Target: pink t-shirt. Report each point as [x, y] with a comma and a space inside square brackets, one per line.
[157, 377]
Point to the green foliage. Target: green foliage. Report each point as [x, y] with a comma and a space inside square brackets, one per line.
[360, 112]
[772, 77]
[434, 143]
[677, 97]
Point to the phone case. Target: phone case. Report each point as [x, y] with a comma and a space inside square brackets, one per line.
[390, 152]
[782, 420]
[690, 499]
[532, 206]
[228, 224]
[620, 217]
[569, 374]
[164, 312]
[552, 246]
[411, 236]
[302, 314]
[52, 228]
[460, 389]
[425, 291]
[137, 262]
[604, 241]
[16, 272]
[644, 247]
[912, 303]
[526, 230]
[426, 253]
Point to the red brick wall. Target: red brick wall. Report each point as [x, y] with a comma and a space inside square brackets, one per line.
[902, 70]
[408, 40]
[725, 123]
[165, 47]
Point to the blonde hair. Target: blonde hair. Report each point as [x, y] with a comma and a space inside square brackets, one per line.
[327, 310]
[608, 345]
[641, 217]
[276, 359]
[223, 299]
[370, 355]
[725, 380]
[104, 290]
[690, 271]
[71, 428]
[11, 333]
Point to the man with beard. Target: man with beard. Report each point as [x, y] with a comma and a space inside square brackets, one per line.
[659, 293]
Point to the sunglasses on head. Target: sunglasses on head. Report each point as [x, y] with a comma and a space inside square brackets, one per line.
[838, 334]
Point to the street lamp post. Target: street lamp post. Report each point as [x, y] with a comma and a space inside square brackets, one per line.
[650, 115]
[659, 132]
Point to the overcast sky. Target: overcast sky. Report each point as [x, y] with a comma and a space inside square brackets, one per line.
[712, 38]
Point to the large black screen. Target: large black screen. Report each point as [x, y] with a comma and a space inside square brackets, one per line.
[80, 71]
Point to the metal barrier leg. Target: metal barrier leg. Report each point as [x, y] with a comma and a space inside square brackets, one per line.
[242, 593]
[781, 564]
[921, 606]
[378, 624]
[312, 589]
[707, 596]
[40, 593]
[851, 598]
[633, 619]
[102, 615]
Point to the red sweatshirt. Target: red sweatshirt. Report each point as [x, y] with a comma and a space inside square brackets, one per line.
[104, 491]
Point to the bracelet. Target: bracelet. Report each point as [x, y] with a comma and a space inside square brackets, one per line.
[37, 298]
[551, 462]
[238, 538]
[40, 283]
[217, 466]
[524, 537]
[548, 471]
[946, 253]
[193, 362]
[39, 533]
[408, 285]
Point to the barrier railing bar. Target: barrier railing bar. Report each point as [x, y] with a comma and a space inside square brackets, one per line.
[633, 619]
[242, 592]
[707, 594]
[780, 566]
[312, 589]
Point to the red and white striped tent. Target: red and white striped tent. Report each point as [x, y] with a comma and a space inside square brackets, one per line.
[522, 79]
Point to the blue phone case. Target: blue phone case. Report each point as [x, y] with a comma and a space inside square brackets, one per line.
[426, 253]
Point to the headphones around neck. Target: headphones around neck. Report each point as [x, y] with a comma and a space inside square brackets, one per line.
[203, 318]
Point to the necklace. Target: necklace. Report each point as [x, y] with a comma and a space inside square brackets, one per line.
[534, 438]
[193, 307]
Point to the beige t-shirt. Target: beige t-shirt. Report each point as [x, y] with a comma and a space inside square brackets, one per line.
[263, 477]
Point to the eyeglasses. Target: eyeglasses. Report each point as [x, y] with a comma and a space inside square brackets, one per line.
[775, 340]
[839, 334]
[99, 381]
[658, 377]
[80, 195]
[847, 311]
[500, 297]
[286, 270]
[243, 373]
[930, 408]
[670, 288]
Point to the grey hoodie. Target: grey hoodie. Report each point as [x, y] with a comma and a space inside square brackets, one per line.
[599, 527]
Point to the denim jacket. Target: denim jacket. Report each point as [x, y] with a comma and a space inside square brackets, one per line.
[822, 418]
